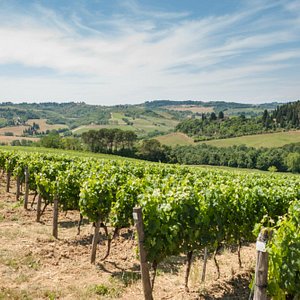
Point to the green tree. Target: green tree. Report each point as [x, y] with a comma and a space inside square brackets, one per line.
[152, 150]
[293, 162]
[52, 140]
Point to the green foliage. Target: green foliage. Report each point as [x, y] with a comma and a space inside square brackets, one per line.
[109, 140]
[184, 209]
[293, 162]
[210, 127]
[152, 150]
[272, 169]
[52, 140]
[286, 158]
[284, 249]
[287, 115]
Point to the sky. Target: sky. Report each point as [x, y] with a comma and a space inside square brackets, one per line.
[109, 52]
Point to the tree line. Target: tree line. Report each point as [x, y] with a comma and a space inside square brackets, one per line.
[286, 158]
[210, 126]
[109, 140]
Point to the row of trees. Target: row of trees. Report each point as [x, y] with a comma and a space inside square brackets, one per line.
[109, 140]
[32, 130]
[282, 159]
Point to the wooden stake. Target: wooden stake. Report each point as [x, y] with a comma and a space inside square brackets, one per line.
[26, 188]
[204, 265]
[7, 181]
[18, 189]
[188, 269]
[261, 271]
[38, 208]
[215, 260]
[138, 218]
[239, 253]
[55, 218]
[95, 241]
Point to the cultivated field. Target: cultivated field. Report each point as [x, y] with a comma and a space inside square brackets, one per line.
[33, 265]
[44, 126]
[142, 125]
[192, 108]
[175, 138]
[18, 130]
[268, 140]
[8, 139]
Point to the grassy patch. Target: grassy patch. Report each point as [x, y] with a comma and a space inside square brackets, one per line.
[17, 263]
[51, 295]
[127, 278]
[18, 204]
[175, 138]
[31, 262]
[267, 140]
[22, 278]
[111, 290]
[14, 294]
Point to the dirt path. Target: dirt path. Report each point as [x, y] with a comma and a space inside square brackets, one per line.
[33, 265]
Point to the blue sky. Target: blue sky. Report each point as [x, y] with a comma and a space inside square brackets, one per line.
[127, 51]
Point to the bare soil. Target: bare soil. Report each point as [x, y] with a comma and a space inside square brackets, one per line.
[34, 265]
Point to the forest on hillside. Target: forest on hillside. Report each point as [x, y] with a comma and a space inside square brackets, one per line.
[213, 126]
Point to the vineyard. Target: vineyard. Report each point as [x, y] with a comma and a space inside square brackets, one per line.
[185, 210]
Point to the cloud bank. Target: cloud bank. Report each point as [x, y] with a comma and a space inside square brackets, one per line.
[130, 53]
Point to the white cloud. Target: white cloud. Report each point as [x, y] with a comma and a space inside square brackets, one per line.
[124, 59]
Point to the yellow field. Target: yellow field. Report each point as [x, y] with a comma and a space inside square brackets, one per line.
[44, 126]
[175, 138]
[18, 130]
[192, 108]
[8, 139]
[267, 140]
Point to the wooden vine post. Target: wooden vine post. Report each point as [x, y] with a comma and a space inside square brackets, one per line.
[261, 270]
[204, 265]
[55, 218]
[26, 188]
[38, 208]
[95, 241]
[8, 175]
[138, 219]
[18, 191]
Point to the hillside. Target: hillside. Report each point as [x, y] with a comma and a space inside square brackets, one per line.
[212, 126]
[195, 120]
[268, 140]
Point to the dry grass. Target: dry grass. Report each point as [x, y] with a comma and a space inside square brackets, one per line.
[44, 126]
[192, 108]
[175, 138]
[16, 130]
[8, 139]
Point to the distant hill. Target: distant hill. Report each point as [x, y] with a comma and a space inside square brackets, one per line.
[149, 119]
